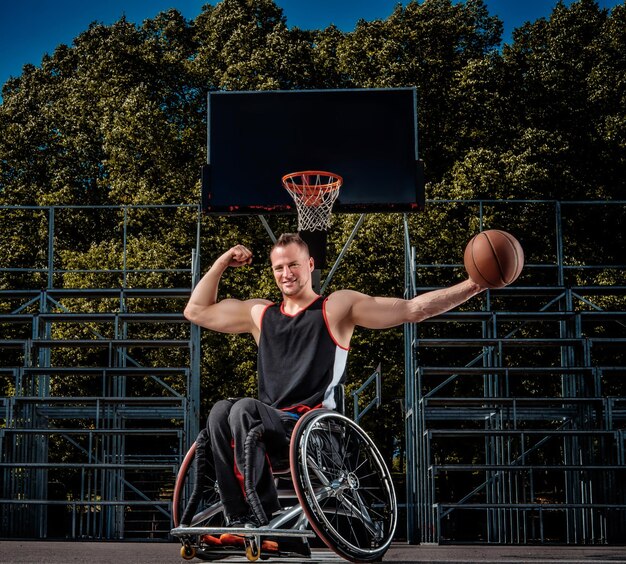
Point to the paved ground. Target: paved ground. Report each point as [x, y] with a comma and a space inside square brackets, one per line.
[43, 552]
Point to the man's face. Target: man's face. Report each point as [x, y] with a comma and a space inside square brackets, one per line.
[292, 268]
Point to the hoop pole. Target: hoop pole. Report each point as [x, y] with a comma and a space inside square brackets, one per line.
[268, 229]
[343, 252]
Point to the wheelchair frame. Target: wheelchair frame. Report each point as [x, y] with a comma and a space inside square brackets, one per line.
[342, 493]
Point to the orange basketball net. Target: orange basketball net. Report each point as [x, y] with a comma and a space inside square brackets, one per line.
[314, 192]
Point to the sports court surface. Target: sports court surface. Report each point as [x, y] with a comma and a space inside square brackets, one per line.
[154, 553]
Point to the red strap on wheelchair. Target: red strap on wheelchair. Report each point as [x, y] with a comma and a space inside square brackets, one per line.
[238, 474]
[300, 409]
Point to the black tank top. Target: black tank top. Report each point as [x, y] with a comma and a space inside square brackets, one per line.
[299, 362]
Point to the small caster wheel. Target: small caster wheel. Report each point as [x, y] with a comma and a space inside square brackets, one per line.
[187, 552]
[253, 550]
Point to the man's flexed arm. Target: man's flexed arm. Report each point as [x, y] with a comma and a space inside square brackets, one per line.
[226, 316]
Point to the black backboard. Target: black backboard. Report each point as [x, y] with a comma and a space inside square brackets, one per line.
[367, 136]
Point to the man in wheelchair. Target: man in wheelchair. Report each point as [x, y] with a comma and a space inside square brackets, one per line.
[303, 345]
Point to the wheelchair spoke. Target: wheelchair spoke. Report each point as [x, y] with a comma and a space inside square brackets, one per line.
[321, 476]
[361, 511]
[356, 512]
[205, 515]
[335, 455]
[357, 507]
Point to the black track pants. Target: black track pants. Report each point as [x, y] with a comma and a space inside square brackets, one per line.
[229, 422]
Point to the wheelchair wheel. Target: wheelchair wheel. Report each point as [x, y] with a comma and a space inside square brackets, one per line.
[202, 503]
[343, 485]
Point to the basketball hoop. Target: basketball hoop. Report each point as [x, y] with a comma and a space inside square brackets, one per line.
[314, 192]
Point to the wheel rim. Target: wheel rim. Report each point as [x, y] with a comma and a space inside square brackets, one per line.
[345, 484]
[209, 510]
[179, 485]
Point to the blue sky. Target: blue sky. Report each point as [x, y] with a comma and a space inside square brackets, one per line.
[31, 28]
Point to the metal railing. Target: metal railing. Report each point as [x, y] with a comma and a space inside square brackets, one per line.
[375, 379]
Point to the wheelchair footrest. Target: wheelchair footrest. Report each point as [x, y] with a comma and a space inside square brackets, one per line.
[243, 531]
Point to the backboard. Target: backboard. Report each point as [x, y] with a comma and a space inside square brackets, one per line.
[368, 136]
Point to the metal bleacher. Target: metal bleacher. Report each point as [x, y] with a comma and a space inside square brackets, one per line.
[515, 414]
[100, 391]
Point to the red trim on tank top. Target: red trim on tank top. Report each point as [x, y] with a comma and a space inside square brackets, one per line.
[328, 327]
[282, 308]
[263, 314]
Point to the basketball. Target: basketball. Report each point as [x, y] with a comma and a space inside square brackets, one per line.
[493, 258]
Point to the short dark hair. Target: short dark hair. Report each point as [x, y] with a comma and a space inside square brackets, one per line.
[288, 239]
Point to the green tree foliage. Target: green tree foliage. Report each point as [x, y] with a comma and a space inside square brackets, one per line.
[246, 45]
[110, 120]
[547, 110]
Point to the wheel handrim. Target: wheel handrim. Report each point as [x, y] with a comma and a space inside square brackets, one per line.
[347, 492]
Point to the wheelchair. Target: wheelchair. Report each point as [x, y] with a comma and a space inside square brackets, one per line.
[337, 489]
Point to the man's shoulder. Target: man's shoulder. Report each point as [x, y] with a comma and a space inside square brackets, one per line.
[340, 306]
[342, 300]
[345, 295]
[257, 308]
[259, 302]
